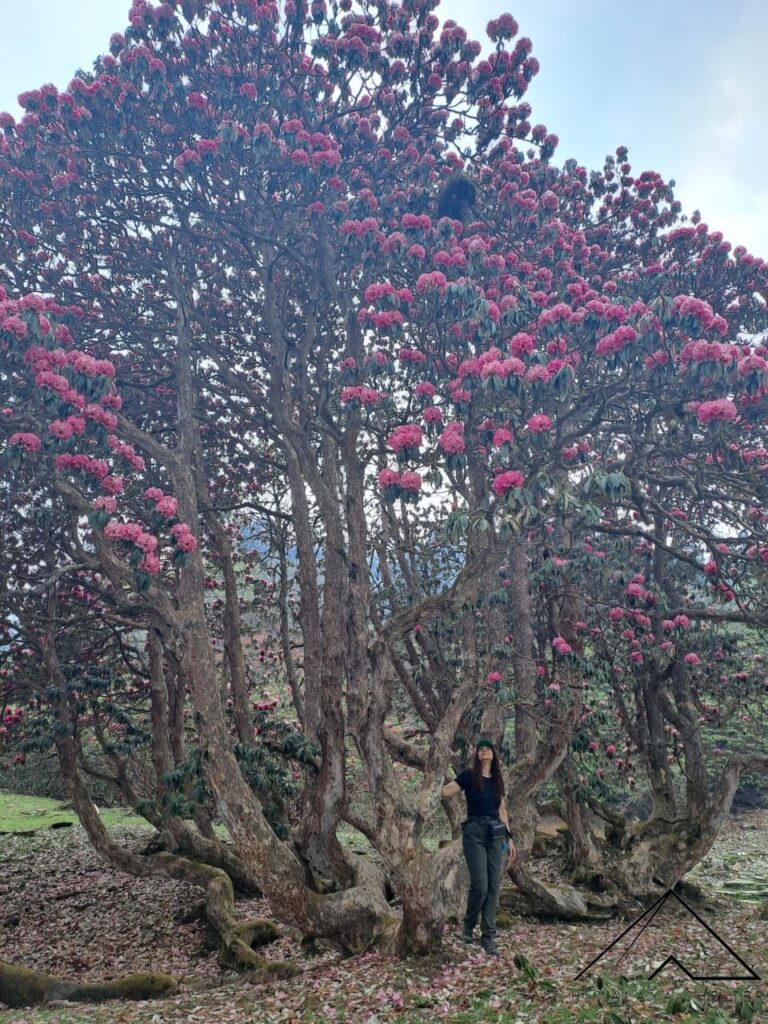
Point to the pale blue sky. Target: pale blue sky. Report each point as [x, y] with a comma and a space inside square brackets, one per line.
[682, 83]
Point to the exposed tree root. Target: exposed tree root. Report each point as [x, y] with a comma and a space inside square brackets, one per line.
[20, 986]
[237, 937]
[562, 900]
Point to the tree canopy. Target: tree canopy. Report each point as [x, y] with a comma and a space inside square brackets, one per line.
[317, 270]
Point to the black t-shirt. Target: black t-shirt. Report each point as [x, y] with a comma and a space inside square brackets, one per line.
[479, 801]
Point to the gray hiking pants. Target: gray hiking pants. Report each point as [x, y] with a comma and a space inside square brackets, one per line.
[484, 858]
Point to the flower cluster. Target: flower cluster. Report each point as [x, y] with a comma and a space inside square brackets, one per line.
[539, 424]
[719, 409]
[451, 440]
[405, 439]
[28, 441]
[165, 505]
[616, 340]
[504, 482]
[362, 395]
[406, 485]
[183, 537]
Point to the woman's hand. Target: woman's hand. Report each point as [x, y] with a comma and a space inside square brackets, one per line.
[512, 855]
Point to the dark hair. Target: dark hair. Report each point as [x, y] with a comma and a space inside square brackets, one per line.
[496, 776]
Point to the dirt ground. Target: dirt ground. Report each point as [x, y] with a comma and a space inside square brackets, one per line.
[63, 911]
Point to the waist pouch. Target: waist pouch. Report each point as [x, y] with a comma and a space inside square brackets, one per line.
[494, 829]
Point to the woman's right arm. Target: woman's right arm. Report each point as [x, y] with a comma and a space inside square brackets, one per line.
[450, 788]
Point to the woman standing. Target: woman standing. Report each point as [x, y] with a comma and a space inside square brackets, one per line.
[483, 840]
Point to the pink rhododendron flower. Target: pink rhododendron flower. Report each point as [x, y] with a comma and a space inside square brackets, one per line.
[388, 478]
[105, 503]
[150, 563]
[406, 437]
[363, 395]
[720, 409]
[28, 441]
[410, 481]
[167, 506]
[522, 344]
[692, 659]
[562, 646]
[436, 279]
[616, 341]
[539, 423]
[15, 326]
[411, 355]
[183, 537]
[502, 436]
[147, 542]
[112, 484]
[504, 482]
[451, 440]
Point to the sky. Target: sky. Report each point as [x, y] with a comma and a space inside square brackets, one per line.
[682, 83]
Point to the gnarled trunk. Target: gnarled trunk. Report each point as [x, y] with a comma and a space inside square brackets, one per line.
[660, 851]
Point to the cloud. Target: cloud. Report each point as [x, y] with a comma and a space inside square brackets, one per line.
[723, 158]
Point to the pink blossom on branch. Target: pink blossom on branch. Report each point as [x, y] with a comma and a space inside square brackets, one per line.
[719, 409]
[388, 478]
[539, 423]
[451, 440]
[28, 441]
[405, 438]
[167, 506]
[182, 535]
[410, 481]
[506, 481]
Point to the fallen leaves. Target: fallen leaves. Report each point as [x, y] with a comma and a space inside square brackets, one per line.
[62, 910]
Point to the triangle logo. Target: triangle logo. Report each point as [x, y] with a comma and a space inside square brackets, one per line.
[735, 968]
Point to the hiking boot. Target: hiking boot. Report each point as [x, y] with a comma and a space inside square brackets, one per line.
[466, 935]
[488, 943]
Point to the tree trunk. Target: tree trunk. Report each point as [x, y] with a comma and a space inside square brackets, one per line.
[233, 647]
[586, 862]
[660, 851]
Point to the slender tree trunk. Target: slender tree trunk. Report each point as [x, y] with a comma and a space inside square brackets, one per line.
[233, 646]
[586, 858]
[323, 633]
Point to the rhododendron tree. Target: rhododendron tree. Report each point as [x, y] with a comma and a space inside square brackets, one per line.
[228, 293]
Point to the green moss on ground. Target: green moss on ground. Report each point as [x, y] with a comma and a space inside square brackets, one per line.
[30, 813]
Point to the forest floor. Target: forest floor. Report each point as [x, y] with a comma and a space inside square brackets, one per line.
[63, 911]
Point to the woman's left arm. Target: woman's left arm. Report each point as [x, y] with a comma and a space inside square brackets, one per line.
[505, 820]
[503, 812]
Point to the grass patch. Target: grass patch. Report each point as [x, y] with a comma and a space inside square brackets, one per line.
[20, 814]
